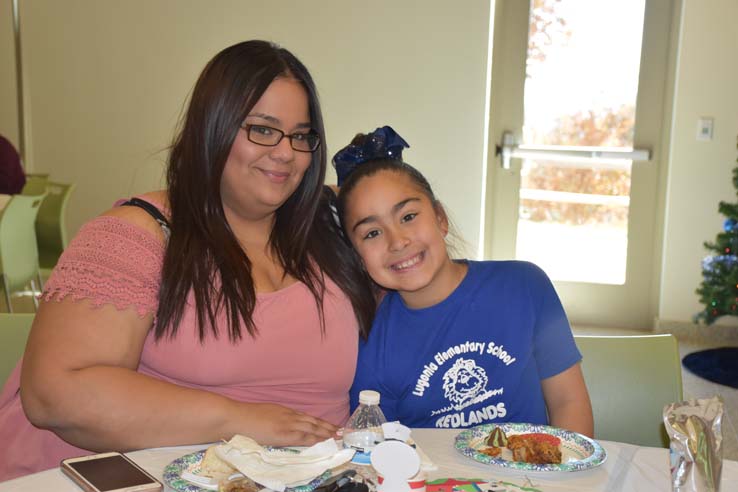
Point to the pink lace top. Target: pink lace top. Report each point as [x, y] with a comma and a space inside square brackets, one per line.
[111, 261]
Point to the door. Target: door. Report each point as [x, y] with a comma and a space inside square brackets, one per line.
[576, 110]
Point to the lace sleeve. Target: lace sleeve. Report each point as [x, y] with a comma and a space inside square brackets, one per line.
[110, 261]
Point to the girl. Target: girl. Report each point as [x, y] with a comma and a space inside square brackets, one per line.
[454, 343]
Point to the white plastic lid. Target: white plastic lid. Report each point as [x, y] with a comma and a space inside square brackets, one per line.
[369, 397]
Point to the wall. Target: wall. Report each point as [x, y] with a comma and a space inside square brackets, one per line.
[699, 172]
[107, 81]
[8, 93]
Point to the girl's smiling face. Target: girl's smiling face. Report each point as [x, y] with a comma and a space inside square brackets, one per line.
[400, 235]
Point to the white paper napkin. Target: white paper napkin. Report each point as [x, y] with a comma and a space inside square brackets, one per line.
[395, 430]
[277, 469]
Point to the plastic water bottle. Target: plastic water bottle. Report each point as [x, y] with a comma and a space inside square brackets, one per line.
[363, 430]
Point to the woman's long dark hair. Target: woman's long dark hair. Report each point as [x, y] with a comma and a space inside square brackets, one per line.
[203, 256]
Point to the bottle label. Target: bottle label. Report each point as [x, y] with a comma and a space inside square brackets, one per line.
[363, 441]
[362, 458]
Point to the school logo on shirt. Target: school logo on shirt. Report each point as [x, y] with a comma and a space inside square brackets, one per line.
[464, 384]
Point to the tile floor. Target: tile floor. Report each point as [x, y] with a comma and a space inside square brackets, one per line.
[694, 386]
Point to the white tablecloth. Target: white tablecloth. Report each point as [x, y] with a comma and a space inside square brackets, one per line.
[627, 468]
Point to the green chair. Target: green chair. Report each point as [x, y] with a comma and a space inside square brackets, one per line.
[35, 184]
[14, 329]
[51, 229]
[18, 249]
[630, 379]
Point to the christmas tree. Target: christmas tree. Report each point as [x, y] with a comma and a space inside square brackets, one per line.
[719, 289]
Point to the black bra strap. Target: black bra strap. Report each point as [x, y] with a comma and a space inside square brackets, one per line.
[151, 210]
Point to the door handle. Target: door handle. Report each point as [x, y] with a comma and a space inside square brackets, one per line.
[510, 150]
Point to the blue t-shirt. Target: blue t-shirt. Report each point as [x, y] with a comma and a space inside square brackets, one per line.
[476, 357]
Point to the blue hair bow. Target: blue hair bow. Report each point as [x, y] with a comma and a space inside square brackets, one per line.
[382, 143]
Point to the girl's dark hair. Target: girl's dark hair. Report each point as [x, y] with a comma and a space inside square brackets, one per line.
[372, 167]
[203, 256]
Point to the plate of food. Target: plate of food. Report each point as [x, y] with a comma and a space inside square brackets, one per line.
[530, 447]
[196, 472]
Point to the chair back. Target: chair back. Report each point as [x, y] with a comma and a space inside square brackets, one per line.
[14, 329]
[51, 227]
[18, 250]
[35, 184]
[630, 379]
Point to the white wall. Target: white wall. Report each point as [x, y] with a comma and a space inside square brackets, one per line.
[700, 172]
[107, 81]
[8, 94]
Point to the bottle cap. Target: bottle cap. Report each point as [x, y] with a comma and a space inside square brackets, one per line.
[369, 397]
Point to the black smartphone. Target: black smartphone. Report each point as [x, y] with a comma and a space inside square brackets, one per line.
[109, 472]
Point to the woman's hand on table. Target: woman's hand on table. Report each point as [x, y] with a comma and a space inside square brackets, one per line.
[274, 425]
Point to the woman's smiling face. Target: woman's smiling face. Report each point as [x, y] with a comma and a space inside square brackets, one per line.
[258, 179]
[400, 235]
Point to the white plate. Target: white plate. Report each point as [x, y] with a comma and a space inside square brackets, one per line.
[189, 462]
[578, 452]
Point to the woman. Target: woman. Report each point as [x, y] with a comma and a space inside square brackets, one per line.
[12, 177]
[237, 310]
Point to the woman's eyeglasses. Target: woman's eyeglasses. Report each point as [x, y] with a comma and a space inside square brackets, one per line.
[270, 137]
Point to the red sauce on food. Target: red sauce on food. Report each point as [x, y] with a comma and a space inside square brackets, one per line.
[539, 436]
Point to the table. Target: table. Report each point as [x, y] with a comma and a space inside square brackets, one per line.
[627, 468]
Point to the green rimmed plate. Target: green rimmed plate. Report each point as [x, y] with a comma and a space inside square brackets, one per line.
[173, 475]
[578, 452]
